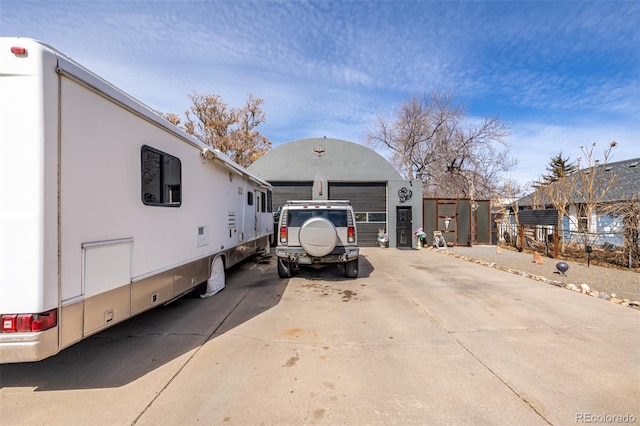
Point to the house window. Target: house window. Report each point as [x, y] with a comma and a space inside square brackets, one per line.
[582, 224]
[250, 198]
[372, 217]
[161, 176]
[582, 219]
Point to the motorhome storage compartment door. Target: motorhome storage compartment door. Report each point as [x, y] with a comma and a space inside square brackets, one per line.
[106, 279]
[107, 265]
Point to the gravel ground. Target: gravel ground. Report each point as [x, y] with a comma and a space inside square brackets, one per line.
[614, 284]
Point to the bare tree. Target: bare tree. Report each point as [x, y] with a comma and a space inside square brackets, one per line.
[247, 144]
[556, 189]
[414, 136]
[479, 154]
[559, 193]
[627, 212]
[171, 118]
[592, 183]
[428, 138]
[232, 131]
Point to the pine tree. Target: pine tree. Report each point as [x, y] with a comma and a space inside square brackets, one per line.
[558, 168]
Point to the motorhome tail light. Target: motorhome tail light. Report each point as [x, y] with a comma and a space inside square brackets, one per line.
[21, 323]
[351, 234]
[16, 50]
[283, 234]
[9, 323]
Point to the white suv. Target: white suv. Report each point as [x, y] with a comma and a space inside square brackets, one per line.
[317, 232]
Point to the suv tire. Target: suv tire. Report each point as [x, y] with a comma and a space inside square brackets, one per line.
[318, 236]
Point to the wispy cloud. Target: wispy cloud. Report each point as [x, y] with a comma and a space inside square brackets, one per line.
[566, 72]
[537, 142]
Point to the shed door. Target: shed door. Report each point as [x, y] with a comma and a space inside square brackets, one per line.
[369, 201]
[403, 227]
[283, 191]
[483, 222]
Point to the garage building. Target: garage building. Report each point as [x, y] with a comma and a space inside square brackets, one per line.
[333, 169]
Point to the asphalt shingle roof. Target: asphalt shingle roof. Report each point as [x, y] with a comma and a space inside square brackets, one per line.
[626, 185]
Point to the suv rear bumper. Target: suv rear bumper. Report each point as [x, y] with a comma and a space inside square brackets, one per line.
[298, 255]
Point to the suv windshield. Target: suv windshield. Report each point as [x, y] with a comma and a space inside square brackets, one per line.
[296, 218]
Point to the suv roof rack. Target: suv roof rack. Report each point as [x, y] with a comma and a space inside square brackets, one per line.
[318, 202]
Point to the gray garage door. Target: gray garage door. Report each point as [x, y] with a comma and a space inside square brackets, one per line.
[369, 201]
[283, 191]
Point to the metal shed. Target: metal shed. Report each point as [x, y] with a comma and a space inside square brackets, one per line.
[334, 169]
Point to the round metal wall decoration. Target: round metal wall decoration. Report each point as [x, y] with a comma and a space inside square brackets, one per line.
[405, 194]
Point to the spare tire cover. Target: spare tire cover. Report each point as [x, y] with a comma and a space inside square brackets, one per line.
[318, 236]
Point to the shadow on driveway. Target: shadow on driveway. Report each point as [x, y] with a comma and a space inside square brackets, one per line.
[335, 272]
[128, 351]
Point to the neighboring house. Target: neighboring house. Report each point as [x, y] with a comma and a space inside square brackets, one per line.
[611, 183]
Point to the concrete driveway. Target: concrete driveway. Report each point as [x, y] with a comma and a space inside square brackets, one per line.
[418, 338]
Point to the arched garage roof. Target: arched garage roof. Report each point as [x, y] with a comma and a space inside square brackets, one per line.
[336, 159]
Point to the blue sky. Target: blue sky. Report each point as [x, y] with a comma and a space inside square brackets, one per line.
[560, 74]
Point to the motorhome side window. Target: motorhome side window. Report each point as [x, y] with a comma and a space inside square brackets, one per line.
[161, 178]
[259, 204]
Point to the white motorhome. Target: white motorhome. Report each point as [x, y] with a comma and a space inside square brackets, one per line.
[106, 209]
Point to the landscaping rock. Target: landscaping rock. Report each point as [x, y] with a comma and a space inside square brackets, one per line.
[604, 283]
